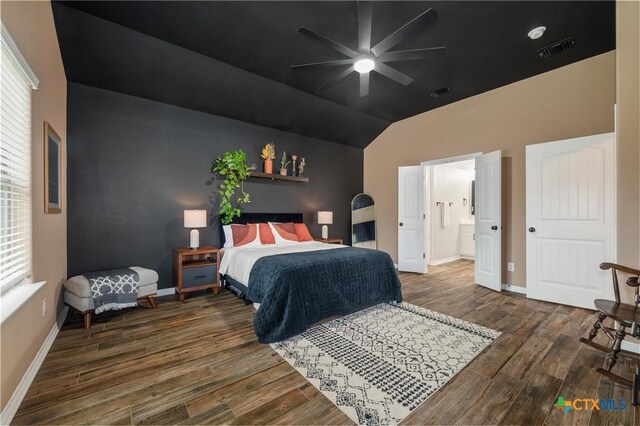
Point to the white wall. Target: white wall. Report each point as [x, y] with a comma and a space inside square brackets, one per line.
[449, 183]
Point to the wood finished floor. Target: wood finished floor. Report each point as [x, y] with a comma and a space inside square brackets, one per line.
[199, 362]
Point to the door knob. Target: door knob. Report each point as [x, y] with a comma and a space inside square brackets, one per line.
[494, 228]
[532, 229]
[400, 223]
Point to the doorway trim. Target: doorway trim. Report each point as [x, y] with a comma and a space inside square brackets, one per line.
[453, 159]
[429, 190]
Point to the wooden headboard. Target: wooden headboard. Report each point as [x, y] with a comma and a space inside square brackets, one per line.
[262, 218]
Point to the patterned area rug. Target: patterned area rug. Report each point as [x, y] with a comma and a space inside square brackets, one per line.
[381, 363]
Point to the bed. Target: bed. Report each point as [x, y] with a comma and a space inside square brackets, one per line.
[301, 284]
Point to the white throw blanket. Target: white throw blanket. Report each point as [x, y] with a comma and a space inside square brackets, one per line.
[237, 262]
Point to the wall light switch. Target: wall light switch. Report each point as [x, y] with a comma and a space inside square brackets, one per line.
[44, 307]
[511, 267]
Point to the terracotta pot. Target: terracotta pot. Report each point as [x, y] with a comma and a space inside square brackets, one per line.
[283, 172]
[268, 166]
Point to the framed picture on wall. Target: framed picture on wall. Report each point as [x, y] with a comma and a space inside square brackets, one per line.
[52, 170]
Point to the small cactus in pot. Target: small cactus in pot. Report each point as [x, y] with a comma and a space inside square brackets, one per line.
[283, 164]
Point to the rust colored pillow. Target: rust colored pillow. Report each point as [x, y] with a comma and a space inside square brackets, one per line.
[244, 235]
[266, 236]
[303, 232]
[284, 232]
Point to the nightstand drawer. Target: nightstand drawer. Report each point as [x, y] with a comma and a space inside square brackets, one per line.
[193, 277]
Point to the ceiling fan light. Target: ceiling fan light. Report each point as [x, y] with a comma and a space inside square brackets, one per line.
[364, 65]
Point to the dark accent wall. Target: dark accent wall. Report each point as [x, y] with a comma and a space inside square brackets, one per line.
[134, 165]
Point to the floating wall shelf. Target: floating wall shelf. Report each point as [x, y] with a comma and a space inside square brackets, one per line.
[274, 176]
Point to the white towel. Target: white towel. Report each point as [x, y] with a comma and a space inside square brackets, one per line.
[445, 214]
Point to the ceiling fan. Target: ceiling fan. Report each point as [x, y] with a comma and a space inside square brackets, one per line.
[367, 58]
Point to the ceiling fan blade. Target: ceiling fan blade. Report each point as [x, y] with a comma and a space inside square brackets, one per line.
[401, 33]
[336, 79]
[364, 84]
[365, 17]
[393, 74]
[324, 64]
[410, 55]
[328, 42]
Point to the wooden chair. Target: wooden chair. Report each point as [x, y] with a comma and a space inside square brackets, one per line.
[624, 316]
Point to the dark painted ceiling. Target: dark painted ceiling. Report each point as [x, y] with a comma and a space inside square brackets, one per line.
[233, 58]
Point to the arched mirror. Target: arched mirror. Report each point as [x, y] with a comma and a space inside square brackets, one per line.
[363, 222]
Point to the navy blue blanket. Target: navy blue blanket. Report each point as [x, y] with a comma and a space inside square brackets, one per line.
[300, 289]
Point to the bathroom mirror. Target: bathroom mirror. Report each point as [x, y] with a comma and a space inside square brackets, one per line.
[363, 222]
[473, 197]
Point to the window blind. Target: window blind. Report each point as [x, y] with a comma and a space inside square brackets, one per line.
[15, 172]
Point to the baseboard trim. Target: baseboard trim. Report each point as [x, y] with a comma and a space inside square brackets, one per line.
[443, 261]
[21, 390]
[514, 289]
[166, 291]
[630, 346]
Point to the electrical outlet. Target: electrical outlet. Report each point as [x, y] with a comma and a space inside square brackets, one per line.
[44, 307]
[511, 267]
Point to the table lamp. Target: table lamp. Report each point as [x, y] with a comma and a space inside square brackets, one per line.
[195, 219]
[325, 218]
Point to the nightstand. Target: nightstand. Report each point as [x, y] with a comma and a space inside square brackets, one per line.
[195, 270]
[330, 240]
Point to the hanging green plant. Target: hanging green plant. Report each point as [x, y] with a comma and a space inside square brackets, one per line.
[232, 167]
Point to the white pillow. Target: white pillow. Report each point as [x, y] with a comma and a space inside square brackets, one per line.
[228, 237]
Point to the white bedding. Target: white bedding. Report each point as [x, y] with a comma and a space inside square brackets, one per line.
[237, 262]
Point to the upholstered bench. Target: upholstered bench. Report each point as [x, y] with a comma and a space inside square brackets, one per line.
[78, 295]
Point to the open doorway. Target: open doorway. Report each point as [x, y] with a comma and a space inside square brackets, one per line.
[440, 200]
[452, 218]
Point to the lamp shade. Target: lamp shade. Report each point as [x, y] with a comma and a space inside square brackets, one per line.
[325, 218]
[195, 218]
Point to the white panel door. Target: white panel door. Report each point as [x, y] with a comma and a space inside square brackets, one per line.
[571, 219]
[411, 219]
[488, 250]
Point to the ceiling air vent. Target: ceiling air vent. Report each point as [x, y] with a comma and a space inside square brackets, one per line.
[557, 47]
[439, 92]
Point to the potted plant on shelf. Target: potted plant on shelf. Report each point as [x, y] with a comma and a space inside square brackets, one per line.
[232, 167]
[268, 154]
[283, 164]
